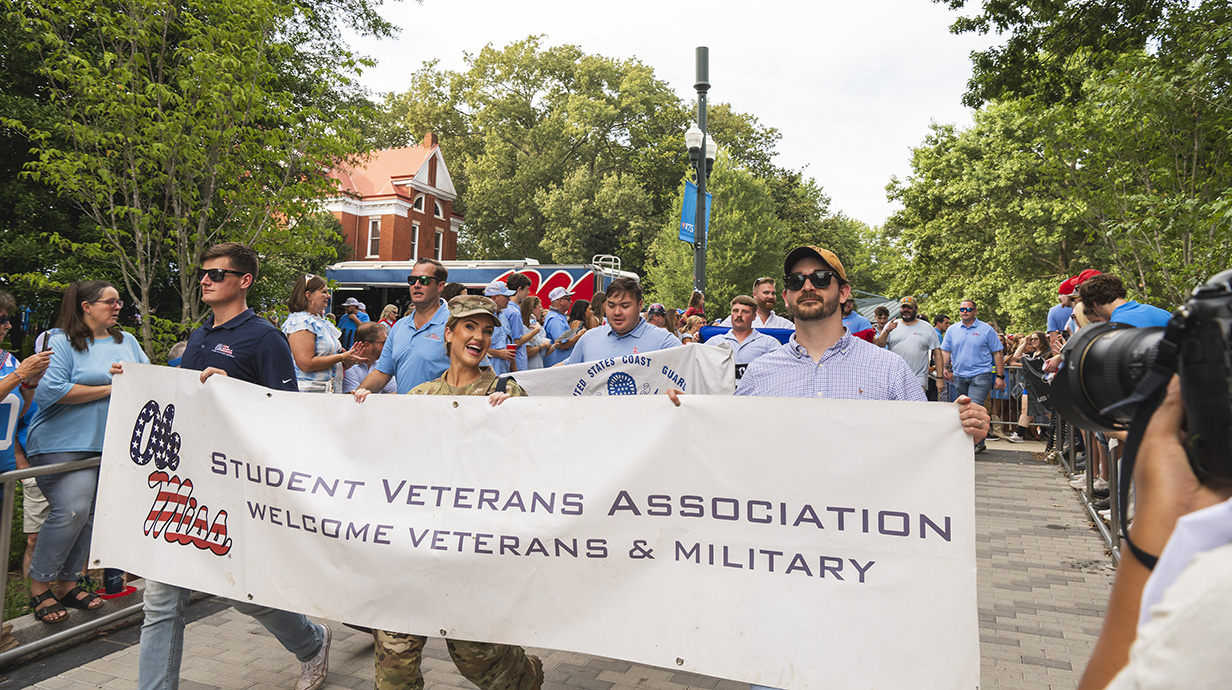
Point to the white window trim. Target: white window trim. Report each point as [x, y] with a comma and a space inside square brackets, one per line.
[438, 247]
[414, 241]
[418, 204]
[374, 224]
[437, 211]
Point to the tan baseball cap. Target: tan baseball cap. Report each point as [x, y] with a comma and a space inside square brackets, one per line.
[908, 300]
[809, 250]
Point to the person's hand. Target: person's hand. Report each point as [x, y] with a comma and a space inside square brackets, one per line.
[674, 394]
[998, 383]
[32, 368]
[974, 418]
[948, 375]
[117, 368]
[892, 325]
[1056, 343]
[497, 398]
[361, 394]
[211, 371]
[352, 357]
[1165, 487]
[535, 329]
[1052, 364]
[501, 353]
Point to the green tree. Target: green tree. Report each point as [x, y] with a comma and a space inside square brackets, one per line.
[747, 241]
[186, 124]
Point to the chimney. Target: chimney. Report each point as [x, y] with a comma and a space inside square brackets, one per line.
[429, 141]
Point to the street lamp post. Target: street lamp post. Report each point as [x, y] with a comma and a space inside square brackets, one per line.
[698, 141]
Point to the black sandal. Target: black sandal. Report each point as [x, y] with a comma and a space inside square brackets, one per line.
[72, 599]
[49, 610]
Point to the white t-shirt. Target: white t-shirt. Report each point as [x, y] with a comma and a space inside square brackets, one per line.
[915, 344]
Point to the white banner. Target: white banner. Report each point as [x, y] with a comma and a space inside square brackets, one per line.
[814, 551]
[690, 368]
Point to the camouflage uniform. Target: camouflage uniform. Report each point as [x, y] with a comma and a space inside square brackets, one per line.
[487, 665]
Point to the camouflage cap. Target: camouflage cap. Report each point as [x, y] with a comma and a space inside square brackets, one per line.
[463, 306]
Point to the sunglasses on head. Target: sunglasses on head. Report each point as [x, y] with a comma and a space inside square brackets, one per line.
[422, 280]
[217, 275]
[819, 278]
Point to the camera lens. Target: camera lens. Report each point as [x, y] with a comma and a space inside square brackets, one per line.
[1103, 365]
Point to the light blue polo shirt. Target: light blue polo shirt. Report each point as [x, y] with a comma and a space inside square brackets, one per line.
[604, 343]
[512, 316]
[555, 324]
[1057, 316]
[500, 338]
[971, 348]
[416, 355]
[1140, 315]
[754, 346]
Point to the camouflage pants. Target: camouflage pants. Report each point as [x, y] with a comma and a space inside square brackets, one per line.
[489, 666]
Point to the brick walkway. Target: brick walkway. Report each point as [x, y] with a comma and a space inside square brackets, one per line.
[1042, 578]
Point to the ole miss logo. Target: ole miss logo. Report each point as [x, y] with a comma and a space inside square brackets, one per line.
[175, 515]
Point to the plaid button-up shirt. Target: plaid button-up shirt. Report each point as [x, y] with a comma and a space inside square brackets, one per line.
[851, 369]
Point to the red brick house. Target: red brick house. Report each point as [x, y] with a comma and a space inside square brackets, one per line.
[398, 205]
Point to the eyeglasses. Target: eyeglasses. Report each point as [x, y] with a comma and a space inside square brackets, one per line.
[113, 303]
[217, 275]
[422, 280]
[820, 279]
[966, 309]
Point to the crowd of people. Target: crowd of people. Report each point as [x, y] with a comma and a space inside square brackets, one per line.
[452, 343]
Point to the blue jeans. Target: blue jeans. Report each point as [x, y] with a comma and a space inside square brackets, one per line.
[64, 541]
[162, 634]
[975, 387]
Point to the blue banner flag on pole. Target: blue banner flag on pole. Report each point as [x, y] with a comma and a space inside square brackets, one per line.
[689, 212]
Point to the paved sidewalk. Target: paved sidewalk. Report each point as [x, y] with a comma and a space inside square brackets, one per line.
[1042, 577]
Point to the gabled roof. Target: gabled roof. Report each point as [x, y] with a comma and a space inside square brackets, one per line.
[398, 171]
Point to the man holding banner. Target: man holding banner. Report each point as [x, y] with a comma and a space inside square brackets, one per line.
[625, 333]
[823, 360]
[233, 342]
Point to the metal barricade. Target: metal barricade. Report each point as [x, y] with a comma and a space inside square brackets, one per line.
[1109, 530]
[10, 480]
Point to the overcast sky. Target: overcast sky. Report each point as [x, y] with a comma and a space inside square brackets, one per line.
[852, 86]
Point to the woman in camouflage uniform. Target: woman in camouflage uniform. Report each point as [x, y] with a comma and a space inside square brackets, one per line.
[468, 334]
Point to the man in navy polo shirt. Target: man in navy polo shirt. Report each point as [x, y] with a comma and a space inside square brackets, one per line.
[1105, 295]
[415, 350]
[972, 357]
[625, 333]
[233, 342]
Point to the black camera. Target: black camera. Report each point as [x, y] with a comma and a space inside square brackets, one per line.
[1110, 369]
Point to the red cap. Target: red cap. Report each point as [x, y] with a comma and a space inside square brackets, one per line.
[1085, 276]
[1067, 287]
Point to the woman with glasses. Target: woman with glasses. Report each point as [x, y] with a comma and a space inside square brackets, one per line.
[315, 342]
[68, 426]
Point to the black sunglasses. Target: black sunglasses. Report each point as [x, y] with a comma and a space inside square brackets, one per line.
[217, 275]
[422, 280]
[4, 319]
[819, 278]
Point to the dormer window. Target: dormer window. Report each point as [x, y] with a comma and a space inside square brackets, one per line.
[436, 210]
[419, 203]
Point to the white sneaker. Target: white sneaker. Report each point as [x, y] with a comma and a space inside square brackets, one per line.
[1101, 484]
[1014, 438]
[1079, 481]
[313, 672]
[1106, 515]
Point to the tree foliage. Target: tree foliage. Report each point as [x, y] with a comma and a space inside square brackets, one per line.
[180, 125]
[1132, 178]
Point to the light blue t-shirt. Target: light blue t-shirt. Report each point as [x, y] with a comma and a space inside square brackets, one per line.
[604, 343]
[346, 324]
[416, 355]
[512, 316]
[971, 348]
[10, 415]
[1140, 315]
[500, 338]
[855, 322]
[61, 428]
[555, 324]
[1057, 316]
